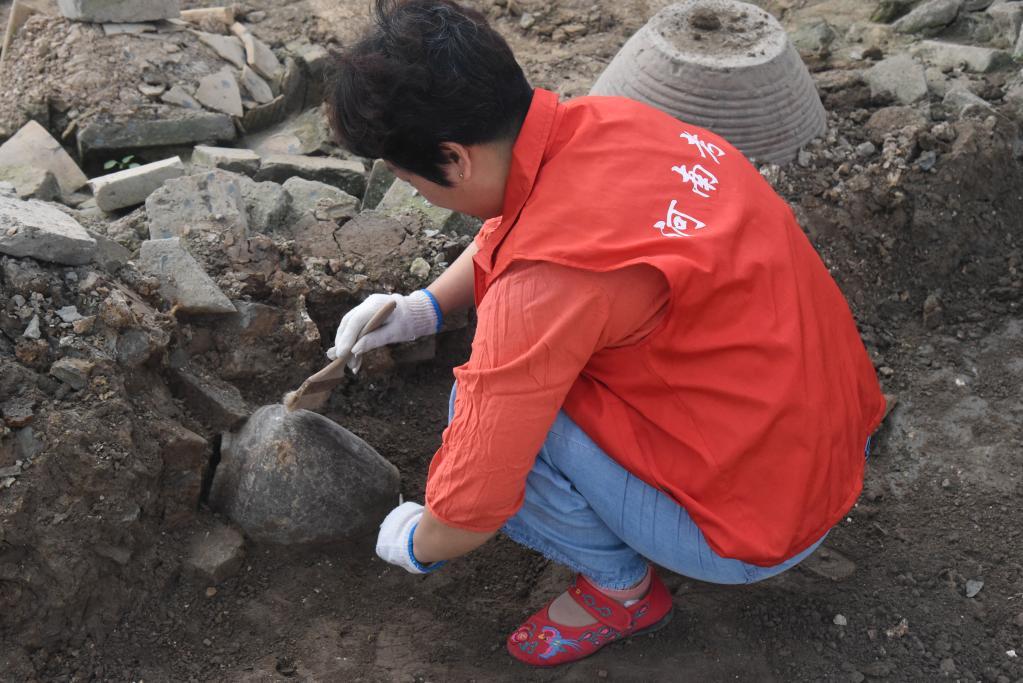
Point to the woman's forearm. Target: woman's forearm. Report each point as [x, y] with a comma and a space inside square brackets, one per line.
[454, 288]
[435, 541]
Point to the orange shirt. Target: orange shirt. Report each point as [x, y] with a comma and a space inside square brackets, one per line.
[538, 327]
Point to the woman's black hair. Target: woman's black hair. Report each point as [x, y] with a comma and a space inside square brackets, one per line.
[426, 72]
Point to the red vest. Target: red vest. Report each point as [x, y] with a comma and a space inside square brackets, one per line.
[751, 402]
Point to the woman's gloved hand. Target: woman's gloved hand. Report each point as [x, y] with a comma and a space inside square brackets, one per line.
[414, 316]
[394, 542]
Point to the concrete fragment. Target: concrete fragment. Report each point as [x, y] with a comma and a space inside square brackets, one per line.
[132, 186]
[256, 86]
[204, 201]
[343, 173]
[34, 146]
[101, 136]
[218, 404]
[312, 197]
[966, 57]
[119, 11]
[380, 180]
[73, 371]
[219, 91]
[964, 102]
[183, 282]
[266, 204]
[31, 182]
[260, 57]
[930, 16]
[226, 158]
[36, 229]
[900, 77]
[180, 97]
[1007, 18]
[217, 555]
[228, 47]
[306, 133]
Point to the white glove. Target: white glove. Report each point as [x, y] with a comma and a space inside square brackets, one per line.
[394, 542]
[415, 315]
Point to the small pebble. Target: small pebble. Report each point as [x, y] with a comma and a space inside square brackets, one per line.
[840, 620]
[973, 587]
[210, 592]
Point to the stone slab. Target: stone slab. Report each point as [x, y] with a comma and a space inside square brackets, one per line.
[216, 403]
[34, 146]
[203, 201]
[180, 97]
[900, 77]
[346, 174]
[380, 180]
[31, 182]
[929, 16]
[104, 136]
[258, 55]
[38, 230]
[119, 11]
[966, 57]
[228, 47]
[227, 158]
[220, 91]
[183, 282]
[323, 201]
[259, 89]
[132, 186]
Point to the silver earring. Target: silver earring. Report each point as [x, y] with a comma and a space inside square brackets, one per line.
[461, 176]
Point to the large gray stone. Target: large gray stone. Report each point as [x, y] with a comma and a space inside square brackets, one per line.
[226, 158]
[34, 146]
[963, 102]
[132, 186]
[348, 175]
[228, 47]
[102, 136]
[402, 198]
[966, 57]
[1007, 18]
[220, 91]
[31, 182]
[209, 201]
[258, 89]
[319, 199]
[267, 204]
[929, 17]
[306, 133]
[119, 11]
[183, 282]
[36, 229]
[900, 77]
[299, 478]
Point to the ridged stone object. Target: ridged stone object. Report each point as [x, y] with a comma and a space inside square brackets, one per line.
[726, 66]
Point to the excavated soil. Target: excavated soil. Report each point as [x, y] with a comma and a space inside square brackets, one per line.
[929, 255]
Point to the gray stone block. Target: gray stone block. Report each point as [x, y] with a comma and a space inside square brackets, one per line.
[929, 17]
[31, 182]
[183, 282]
[966, 57]
[34, 146]
[319, 199]
[132, 186]
[226, 158]
[204, 201]
[900, 77]
[348, 175]
[101, 136]
[41, 231]
[119, 11]
[380, 180]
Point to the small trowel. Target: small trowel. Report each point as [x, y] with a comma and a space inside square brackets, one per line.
[314, 390]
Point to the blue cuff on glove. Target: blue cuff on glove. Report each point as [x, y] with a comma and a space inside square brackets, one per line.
[436, 307]
[425, 568]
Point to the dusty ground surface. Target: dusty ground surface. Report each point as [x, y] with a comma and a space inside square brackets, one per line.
[929, 259]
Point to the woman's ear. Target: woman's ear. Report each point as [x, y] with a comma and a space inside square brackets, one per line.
[459, 162]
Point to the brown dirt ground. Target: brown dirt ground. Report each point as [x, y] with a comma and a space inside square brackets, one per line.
[941, 505]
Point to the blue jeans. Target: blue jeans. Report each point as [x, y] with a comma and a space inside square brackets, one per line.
[585, 511]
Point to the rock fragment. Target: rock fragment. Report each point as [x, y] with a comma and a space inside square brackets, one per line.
[205, 201]
[180, 97]
[403, 197]
[205, 127]
[33, 146]
[228, 47]
[186, 456]
[217, 554]
[218, 404]
[183, 282]
[930, 16]
[132, 186]
[311, 197]
[73, 371]
[967, 57]
[31, 182]
[380, 180]
[256, 86]
[900, 77]
[36, 229]
[343, 173]
[119, 11]
[260, 57]
[219, 91]
[230, 159]
[266, 204]
[964, 102]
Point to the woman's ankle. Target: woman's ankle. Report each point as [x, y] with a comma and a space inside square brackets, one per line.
[629, 595]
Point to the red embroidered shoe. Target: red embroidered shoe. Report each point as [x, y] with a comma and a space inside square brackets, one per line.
[541, 642]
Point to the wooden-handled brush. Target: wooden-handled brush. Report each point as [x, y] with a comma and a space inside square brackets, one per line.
[310, 395]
